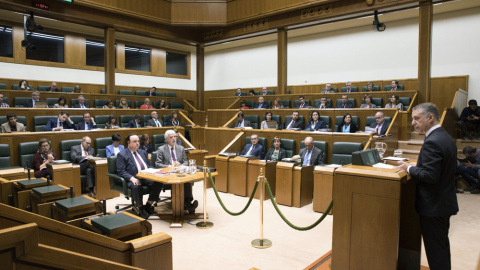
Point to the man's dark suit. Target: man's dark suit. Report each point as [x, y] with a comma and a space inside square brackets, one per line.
[151, 123]
[384, 127]
[263, 106]
[81, 125]
[49, 89]
[305, 106]
[28, 103]
[52, 123]
[147, 93]
[127, 169]
[316, 157]
[436, 198]
[257, 151]
[347, 106]
[245, 123]
[77, 155]
[133, 124]
[297, 124]
[78, 106]
[319, 125]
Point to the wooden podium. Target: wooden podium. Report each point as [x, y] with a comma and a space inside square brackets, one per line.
[221, 162]
[270, 173]
[294, 185]
[67, 175]
[102, 183]
[322, 188]
[375, 225]
[237, 175]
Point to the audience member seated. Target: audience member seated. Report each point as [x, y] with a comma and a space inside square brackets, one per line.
[348, 85]
[145, 143]
[469, 168]
[109, 105]
[345, 103]
[131, 161]
[114, 148]
[370, 87]
[380, 125]
[253, 148]
[53, 87]
[394, 85]
[276, 153]
[315, 123]
[323, 103]
[163, 105]
[268, 118]
[43, 156]
[112, 122]
[243, 105]
[23, 85]
[295, 123]
[3, 104]
[242, 122]
[251, 92]
[154, 121]
[147, 104]
[136, 122]
[81, 103]
[328, 88]
[123, 104]
[152, 92]
[277, 104]
[264, 91]
[79, 155]
[30, 103]
[394, 103]
[172, 154]
[301, 104]
[174, 121]
[12, 125]
[239, 92]
[62, 122]
[87, 123]
[62, 103]
[77, 89]
[261, 104]
[368, 103]
[347, 126]
[469, 121]
[310, 154]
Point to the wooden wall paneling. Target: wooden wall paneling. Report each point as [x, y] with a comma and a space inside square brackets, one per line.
[200, 77]
[19, 53]
[446, 87]
[110, 61]
[75, 50]
[282, 48]
[158, 62]
[199, 13]
[425, 50]
[120, 57]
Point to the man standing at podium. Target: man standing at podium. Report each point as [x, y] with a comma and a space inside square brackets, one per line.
[436, 198]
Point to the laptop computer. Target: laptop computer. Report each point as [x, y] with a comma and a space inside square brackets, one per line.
[41, 104]
[272, 124]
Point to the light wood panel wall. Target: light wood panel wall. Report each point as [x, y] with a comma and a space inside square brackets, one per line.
[199, 13]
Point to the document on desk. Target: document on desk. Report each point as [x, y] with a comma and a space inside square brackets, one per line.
[383, 165]
[150, 170]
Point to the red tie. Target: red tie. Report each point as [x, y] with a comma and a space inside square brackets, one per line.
[86, 154]
[139, 161]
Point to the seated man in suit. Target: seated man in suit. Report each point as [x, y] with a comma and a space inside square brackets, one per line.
[253, 149]
[380, 125]
[348, 85]
[394, 85]
[79, 155]
[242, 122]
[294, 123]
[87, 123]
[302, 104]
[3, 104]
[62, 122]
[130, 161]
[261, 104]
[137, 122]
[154, 122]
[30, 103]
[239, 92]
[328, 88]
[114, 148]
[310, 154]
[345, 104]
[152, 92]
[323, 103]
[53, 88]
[12, 125]
[264, 91]
[172, 154]
[81, 103]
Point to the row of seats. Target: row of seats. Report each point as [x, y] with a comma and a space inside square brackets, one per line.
[343, 89]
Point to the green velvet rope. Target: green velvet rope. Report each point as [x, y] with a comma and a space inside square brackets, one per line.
[221, 202]
[288, 222]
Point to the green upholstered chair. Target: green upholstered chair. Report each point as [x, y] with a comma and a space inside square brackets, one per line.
[389, 87]
[124, 119]
[338, 121]
[139, 103]
[146, 118]
[250, 103]
[350, 101]
[125, 92]
[99, 103]
[375, 88]
[333, 89]
[178, 105]
[285, 103]
[19, 101]
[257, 93]
[261, 140]
[171, 94]
[254, 120]
[371, 119]
[67, 89]
[65, 147]
[288, 91]
[296, 103]
[157, 141]
[377, 101]
[26, 150]
[101, 120]
[270, 92]
[74, 101]
[5, 100]
[102, 91]
[288, 145]
[405, 101]
[129, 102]
[5, 160]
[316, 103]
[243, 94]
[15, 86]
[108, 224]
[269, 103]
[76, 119]
[342, 152]
[322, 145]
[43, 87]
[288, 119]
[51, 102]
[140, 93]
[326, 119]
[101, 146]
[344, 89]
[3, 86]
[41, 121]
[165, 118]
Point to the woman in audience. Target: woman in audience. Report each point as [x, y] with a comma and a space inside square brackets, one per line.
[23, 85]
[243, 105]
[146, 105]
[174, 121]
[276, 153]
[62, 103]
[277, 104]
[370, 87]
[43, 156]
[77, 89]
[114, 148]
[112, 122]
[347, 126]
[123, 104]
[268, 118]
[368, 103]
[315, 123]
[163, 105]
[251, 92]
[109, 105]
[145, 143]
[394, 103]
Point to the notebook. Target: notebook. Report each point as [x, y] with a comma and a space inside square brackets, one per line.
[41, 104]
[272, 124]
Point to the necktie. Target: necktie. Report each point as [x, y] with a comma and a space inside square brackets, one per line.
[86, 154]
[173, 155]
[306, 160]
[259, 105]
[291, 124]
[344, 105]
[377, 129]
[138, 125]
[139, 161]
[251, 149]
[301, 106]
[156, 122]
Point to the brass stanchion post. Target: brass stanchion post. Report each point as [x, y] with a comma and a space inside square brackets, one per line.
[261, 242]
[204, 224]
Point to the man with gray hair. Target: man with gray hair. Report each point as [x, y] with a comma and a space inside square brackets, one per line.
[81, 103]
[310, 154]
[434, 172]
[79, 155]
[30, 103]
[348, 87]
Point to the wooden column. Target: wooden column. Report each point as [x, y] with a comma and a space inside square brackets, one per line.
[425, 50]
[109, 61]
[200, 76]
[282, 42]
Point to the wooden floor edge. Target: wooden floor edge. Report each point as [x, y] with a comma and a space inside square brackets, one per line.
[321, 260]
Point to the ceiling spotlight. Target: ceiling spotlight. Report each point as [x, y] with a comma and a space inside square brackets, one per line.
[377, 25]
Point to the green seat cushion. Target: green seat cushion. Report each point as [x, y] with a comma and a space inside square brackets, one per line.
[65, 204]
[40, 191]
[31, 182]
[108, 223]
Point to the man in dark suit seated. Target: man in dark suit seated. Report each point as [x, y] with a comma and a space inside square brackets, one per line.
[79, 155]
[81, 103]
[310, 154]
[264, 91]
[380, 125]
[323, 103]
[152, 92]
[469, 120]
[348, 85]
[137, 122]
[239, 92]
[172, 154]
[53, 88]
[261, 104]
[434, 174]
[294, 123]
[87, 123]
[345, 104]
[30, 103]
[328, 88]
[253, 149]
[62, 122]
[242, 122]
[130, 161]
[301, 104]
[154, 121]
[394, 85]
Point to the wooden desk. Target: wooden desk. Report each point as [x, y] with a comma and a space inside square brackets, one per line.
[237, 175]
[14, 173]
[68, 175]
[270, 173]
[22, 194]
[197, 155]
[5, 190]
[294, 184]
[210, 163]
[178, 213]
[221, 164]
[102, 182]
[322, 188]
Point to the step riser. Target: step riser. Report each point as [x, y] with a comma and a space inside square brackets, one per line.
[404, 145]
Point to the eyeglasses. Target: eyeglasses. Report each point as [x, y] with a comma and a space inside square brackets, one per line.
[45, 145]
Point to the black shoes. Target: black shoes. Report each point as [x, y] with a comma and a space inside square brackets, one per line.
[191, 207]
[143, 213]
[150, 209]
[475, 191]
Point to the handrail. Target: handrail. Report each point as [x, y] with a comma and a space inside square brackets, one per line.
[230, 121]
[391, 122]
[185, 140]
[444, 113]
[240, 134]
[412, 102]
[186, 118]
[190, 105]
[233, 103]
